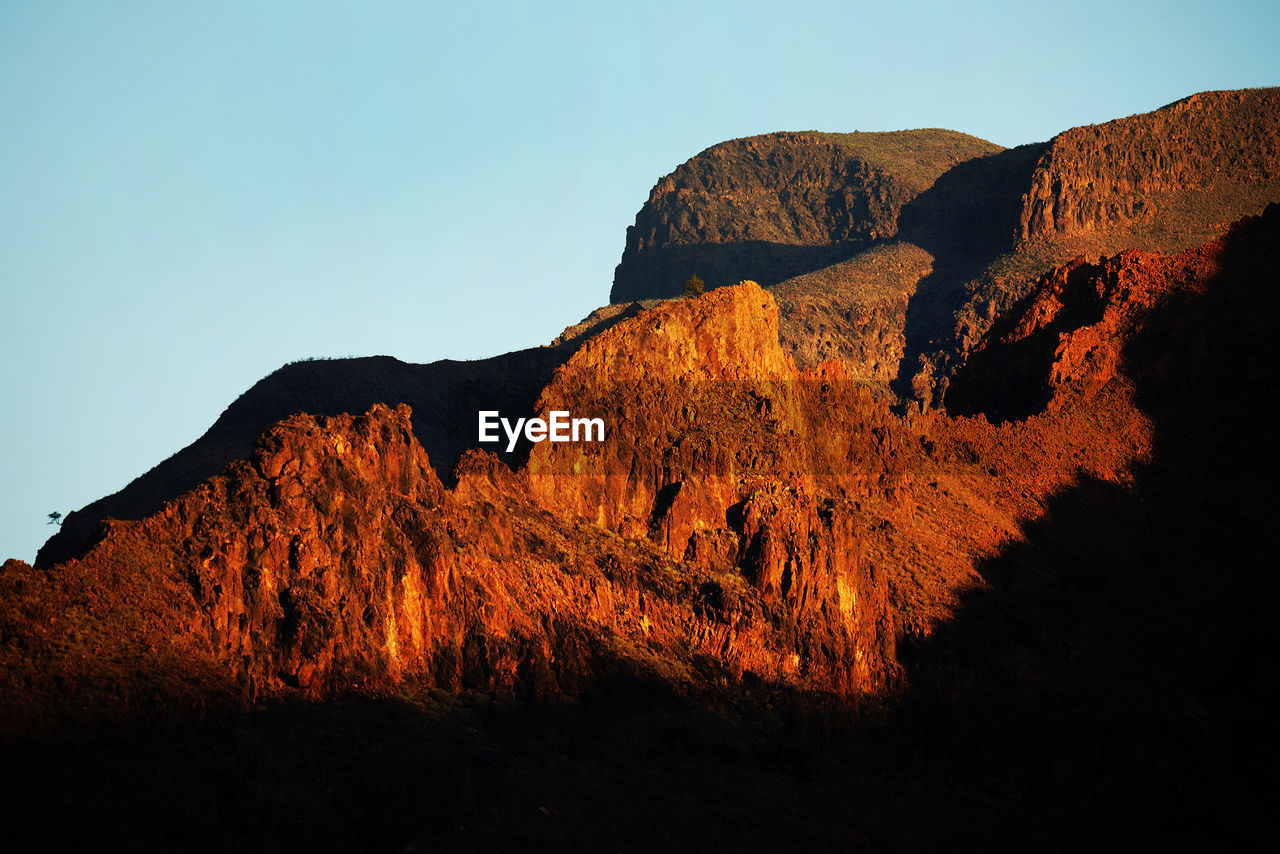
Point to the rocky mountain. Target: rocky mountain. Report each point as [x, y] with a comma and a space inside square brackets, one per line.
[445, 394]
[949, 231]
[777, 605]
[1169, 176]
[335, 558]
[775, 206]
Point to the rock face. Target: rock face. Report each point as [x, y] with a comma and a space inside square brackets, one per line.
[742, 516]
[771, 207]
[757, 501]
[1067, 339]
[726, 527]
[729, 459]
[1121, 173]
[894, 253]
[335, 559]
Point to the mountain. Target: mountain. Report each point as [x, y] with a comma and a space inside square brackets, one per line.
[777, 205]
[776, 604]
[893, 252]
[447, 393]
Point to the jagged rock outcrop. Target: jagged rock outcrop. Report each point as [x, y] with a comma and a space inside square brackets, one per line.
[742, 517]
[335, 559]
[729, 458]
[1067, 338]
[732, 482]
[699, 391]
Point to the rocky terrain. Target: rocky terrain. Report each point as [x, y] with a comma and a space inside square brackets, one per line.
[334, 556]
[950, 231]
[448, 393]
[1170, 176]
[775, 206]
[780, 605]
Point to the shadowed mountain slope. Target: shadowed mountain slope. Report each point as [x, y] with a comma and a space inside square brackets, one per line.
[1108, 685]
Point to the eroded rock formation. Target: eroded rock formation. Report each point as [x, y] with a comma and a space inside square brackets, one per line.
[703, 544]
[770, 207]
[1054, 596]
[950, 232]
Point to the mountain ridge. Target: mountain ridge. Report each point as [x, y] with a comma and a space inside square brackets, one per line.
[968, 244]
[960, 537]
[900, 313]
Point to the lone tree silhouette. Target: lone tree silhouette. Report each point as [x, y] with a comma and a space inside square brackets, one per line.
[694, 286]
[55, 518]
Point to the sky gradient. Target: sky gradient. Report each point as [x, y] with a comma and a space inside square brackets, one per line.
[192, 195]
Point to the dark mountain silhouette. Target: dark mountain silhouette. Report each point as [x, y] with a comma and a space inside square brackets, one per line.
[444, 395]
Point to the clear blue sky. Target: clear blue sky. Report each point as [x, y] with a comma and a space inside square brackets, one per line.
[192, 194]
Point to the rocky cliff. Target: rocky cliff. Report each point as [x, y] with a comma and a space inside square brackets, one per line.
[1066, 339]
[729, 524]
[1174, 166]
[771, 207]
[772, 593]
[948, 232]
[334, 558]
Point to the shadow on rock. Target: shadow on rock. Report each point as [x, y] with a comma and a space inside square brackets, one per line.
[1107, 685]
